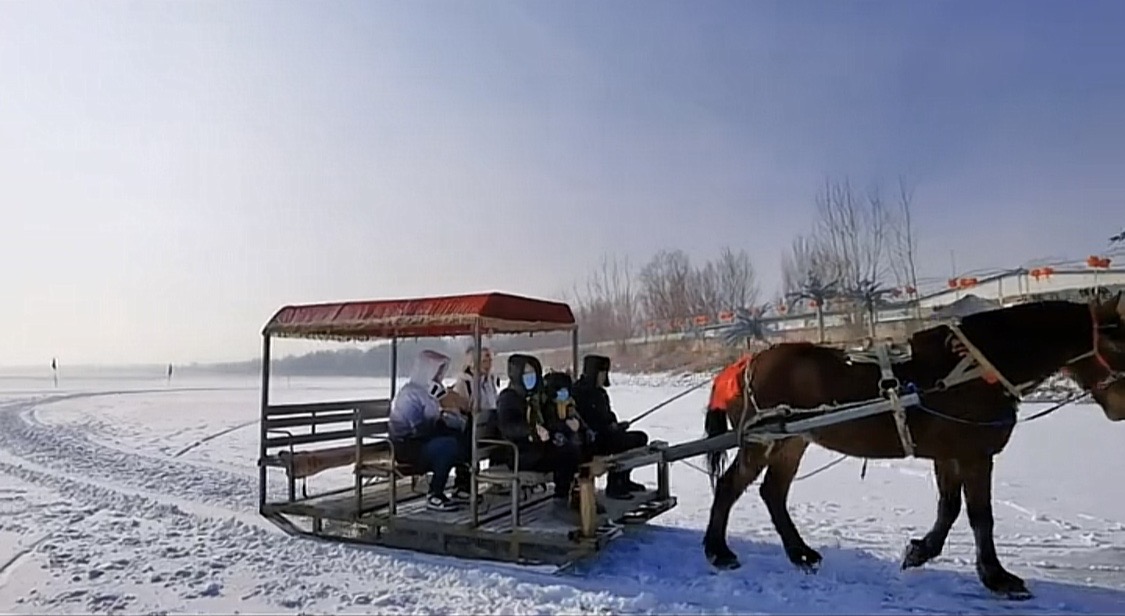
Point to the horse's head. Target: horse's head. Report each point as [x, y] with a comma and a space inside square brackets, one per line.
[1102, 372]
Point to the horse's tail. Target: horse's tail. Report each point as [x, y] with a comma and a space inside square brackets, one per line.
[715, 424]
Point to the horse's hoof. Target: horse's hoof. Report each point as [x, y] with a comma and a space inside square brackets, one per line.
[806, 559]
[916, 554]
[724, 562]
[1005, 584]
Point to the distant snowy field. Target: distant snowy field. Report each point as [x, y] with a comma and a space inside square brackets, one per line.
[140, 497]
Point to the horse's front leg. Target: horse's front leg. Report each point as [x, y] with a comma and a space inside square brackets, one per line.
[976, 476]
[922, 551]
[784, 461]
[728, 489]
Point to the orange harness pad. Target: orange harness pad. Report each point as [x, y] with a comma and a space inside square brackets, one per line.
[727, 386]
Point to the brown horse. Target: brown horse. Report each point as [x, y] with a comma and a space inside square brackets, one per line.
[960, 427]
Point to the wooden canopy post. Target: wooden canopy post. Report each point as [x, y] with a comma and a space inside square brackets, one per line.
[394, 366]
[574, 353]
[474, 416]
[265, 401]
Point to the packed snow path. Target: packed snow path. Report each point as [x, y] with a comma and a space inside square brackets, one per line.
[143, 499]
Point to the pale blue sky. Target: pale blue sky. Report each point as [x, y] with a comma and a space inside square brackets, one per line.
[174, 172]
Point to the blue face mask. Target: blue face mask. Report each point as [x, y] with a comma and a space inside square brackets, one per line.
[562, 395]
[529, 381]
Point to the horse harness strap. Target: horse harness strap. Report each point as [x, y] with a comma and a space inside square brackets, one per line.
[748, 404]
[984, 369]
[889, 385]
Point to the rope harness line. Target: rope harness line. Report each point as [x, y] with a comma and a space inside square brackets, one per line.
[665, 403]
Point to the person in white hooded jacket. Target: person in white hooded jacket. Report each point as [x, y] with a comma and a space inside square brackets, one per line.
[486, 387]
[428, 436]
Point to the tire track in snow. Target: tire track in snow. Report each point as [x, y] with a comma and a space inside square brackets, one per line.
[70, 451]
[211, 534]
[108, 548]
[213, 436]
[17, 558]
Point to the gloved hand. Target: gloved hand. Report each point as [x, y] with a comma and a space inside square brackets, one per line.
[591, 436]
[622, 425]
[559, 439]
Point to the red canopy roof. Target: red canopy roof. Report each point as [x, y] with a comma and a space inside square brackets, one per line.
[454, 315]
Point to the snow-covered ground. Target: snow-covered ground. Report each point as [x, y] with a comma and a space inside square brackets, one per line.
[140, 497]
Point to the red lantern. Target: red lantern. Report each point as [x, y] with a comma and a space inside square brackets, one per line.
[702, 320]
[1097, 262]
[911, 290]
[726, 316]
[953, 283]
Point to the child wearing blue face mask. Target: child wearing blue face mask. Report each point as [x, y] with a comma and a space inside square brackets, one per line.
[563, 417]
[524, 416]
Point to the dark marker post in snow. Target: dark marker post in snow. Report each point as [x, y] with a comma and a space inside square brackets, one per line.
[169, 373]
[55, 371]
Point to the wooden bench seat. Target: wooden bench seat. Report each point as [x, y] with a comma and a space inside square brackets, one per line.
[305, 464]
[337, 429]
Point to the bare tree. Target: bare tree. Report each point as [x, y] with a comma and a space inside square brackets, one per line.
[851, 234]
[616, 280]
[806, 259]
[736, 280]
[904, 244]
[606, 303]
[705, 291]
[666, 283]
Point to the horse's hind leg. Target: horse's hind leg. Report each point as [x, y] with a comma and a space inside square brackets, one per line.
[746, 468]
[976, 476]
[922, 551]
[783, 463]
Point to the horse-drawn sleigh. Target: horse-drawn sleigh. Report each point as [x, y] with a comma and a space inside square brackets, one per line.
[950, 396]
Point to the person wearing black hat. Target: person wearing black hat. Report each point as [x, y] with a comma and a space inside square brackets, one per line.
[610, 435]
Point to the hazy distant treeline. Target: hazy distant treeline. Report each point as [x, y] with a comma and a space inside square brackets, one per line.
[376, 361]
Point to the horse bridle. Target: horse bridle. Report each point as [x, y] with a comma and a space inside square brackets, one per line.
[1111, 375]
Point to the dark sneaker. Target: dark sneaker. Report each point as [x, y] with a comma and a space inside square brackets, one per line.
[633, 486]
[461, 495]
[440, 503]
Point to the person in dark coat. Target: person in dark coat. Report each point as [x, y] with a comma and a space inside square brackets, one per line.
[521, 420]
[610, 435]
[561, 414]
